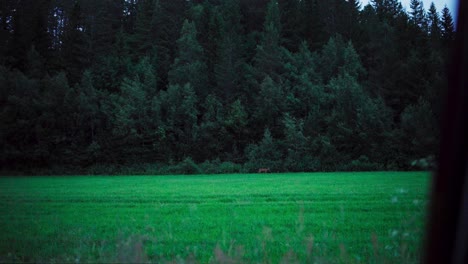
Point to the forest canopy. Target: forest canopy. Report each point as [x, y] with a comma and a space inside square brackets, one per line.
[187, 86]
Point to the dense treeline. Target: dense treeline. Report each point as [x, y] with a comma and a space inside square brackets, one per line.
[226, 84]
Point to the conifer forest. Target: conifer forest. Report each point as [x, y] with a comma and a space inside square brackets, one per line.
[213, 86]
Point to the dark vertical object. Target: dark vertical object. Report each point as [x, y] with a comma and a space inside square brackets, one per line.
[447, 232]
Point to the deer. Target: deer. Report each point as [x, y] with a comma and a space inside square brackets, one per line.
[265, 170]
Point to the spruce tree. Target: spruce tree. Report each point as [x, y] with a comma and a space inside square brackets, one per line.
[312, 27]
[352, 20]
[298, 156]
[236, 124]
[189, 66]
[168, 19]
[447, 25]
[88, 107]
[35, 64]
[108, 22]
[181, 118]
[213, 136]
[434, 23]
[144, 32]
[290, 21]
[265, 154]
[75, 48]
[228, 67]
[267, 60]
[270, 105]
[387, 10]
[418, 15]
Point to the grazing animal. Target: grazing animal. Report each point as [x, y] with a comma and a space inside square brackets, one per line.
[265, 170]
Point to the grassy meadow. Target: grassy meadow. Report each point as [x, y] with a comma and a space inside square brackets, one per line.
[371, 217]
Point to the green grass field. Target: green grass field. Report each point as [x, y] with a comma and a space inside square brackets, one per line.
[369, 217]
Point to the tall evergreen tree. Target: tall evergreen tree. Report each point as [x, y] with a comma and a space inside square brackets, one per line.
[88, 107]
[75, 48]
[290, 21]
[144, 32]
[213, 134]
[270, 106]
[168, 18]
[6, 13]
[298, 157]
[189, 66]
[387, 10]
[133, 104]
[447, 25]
[213, 40]
[434, 23]
[267, 60]
[265, 154]
[29, 27]
[352, 29]
[418, 15]
[228, 67]
[236, 124]
[312, 26]
[106, 25]
[35, 67]
[181, 118]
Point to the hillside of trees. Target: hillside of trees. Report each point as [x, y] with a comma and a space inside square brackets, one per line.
[187, 86]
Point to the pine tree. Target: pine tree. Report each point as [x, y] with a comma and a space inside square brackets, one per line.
[228, 67]
[133, 104]
[447, 25]
[110, 69]
[189, 66]
[36, 64]
[267, 60]
[6, 11]
[213, 136]
[338, 17]
[75, 48]
[352, 21]
[168, 19]
[270, 105]
[419, 127]
[338, 58]
[346, 98]
[108, 22]
[181, 117]
[23, 138]
[434, 23]
[290, 21]
[330, 58]
[40, 36]
[212, 45]
[351, 62]
[265, 154]
[297, 146]
[144, 33]
[312, 27]
[387, 9]
[236, 124]
[301, 81]
[418, 15]
[236, 117]
[88, 107]
[29, 27]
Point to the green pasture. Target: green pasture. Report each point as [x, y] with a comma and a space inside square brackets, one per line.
[370, 217]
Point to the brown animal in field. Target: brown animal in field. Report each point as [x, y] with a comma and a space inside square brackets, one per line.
[265, 170]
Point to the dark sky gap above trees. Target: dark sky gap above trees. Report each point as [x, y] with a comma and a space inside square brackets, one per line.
[290, 85]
